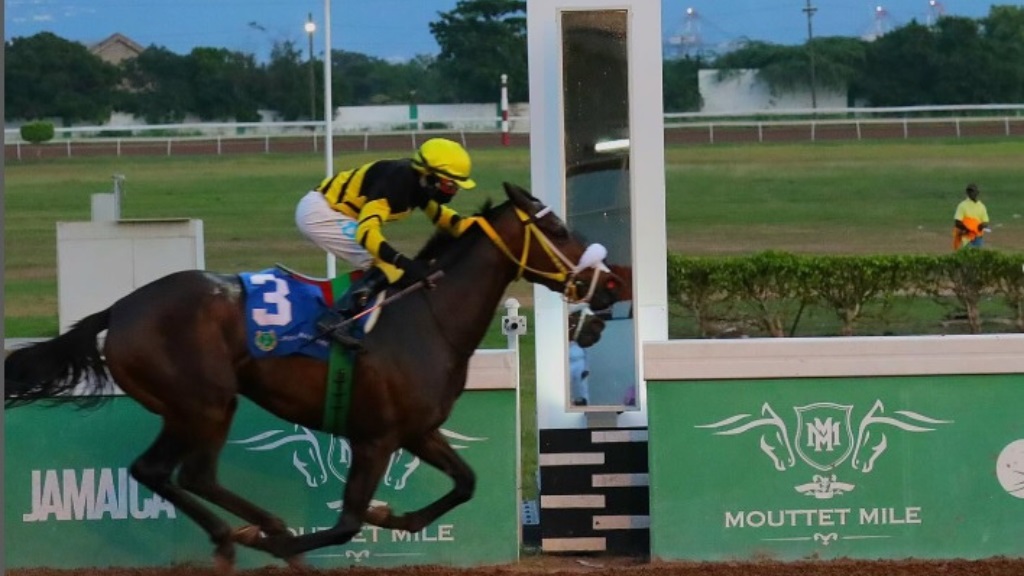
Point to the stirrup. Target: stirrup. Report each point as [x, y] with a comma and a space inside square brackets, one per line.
[344, 337]
[353, 302]
[331, 324]
[342, 334]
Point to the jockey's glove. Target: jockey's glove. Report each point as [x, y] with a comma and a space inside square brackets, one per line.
[415, 270]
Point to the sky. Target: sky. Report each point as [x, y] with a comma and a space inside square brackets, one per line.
[398, 29]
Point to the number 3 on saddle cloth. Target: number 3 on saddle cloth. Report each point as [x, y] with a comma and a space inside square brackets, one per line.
[281, 311]
[282, 308]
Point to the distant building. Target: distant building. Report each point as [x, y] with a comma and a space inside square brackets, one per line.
[745, 91]
[116, 48]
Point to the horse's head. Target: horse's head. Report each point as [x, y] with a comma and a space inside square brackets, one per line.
[550, 255]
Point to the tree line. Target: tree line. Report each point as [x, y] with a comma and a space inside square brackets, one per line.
[955, 61]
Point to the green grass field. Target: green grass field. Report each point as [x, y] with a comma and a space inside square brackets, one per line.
[849, 198]
[853, 198]
[823, 198]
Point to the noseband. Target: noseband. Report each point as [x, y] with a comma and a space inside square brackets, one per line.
[565, 270]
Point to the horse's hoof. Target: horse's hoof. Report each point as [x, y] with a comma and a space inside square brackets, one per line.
[278, 546]
[223, 566]
[377, 515]
[247, 535]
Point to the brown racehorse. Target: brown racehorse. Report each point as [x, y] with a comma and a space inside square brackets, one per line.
[178, 347]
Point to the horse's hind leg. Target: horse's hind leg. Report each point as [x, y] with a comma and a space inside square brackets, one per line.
[154, 468]
[434, 450]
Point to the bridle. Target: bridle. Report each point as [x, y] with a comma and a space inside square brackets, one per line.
[566, 271]
[584, 312]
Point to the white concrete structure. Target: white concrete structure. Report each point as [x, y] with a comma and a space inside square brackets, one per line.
[104, 259]
[453, 116]
[860, 356]
[733, 91]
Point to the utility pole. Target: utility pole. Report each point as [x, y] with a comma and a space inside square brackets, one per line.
[810, 10]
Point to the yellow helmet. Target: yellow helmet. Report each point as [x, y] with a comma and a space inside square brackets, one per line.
[447, 159]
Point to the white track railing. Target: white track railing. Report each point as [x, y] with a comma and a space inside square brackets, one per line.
[823, 113]
[689, 127]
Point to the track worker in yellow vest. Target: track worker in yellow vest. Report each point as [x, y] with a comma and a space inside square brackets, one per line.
[970, 221]
[345, 215]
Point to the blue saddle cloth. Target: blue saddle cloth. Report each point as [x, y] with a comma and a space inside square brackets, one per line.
[281, 313]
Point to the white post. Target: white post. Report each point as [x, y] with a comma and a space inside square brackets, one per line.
[513, 325]
[504, 110]
[118, 194]
[332, 264]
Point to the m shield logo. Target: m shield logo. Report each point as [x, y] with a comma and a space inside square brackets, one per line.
[825, 438]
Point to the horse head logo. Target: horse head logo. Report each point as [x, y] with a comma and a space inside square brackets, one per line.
[774, 441]
[400, 467]
[876, 443]
[308, 457]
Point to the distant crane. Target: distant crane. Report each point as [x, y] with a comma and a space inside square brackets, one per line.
[880, 26]
[935, 11]
[699, 37]
[687, 40]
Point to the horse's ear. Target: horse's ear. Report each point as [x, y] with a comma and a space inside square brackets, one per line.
[520, 197]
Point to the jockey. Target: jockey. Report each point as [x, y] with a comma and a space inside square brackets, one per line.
[345, 215]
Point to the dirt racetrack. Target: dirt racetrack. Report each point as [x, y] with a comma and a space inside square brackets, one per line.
[603, 566]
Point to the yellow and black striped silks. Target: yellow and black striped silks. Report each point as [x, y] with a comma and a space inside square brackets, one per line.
[394, 199]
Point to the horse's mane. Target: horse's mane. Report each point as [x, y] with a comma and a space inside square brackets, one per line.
[441, 242]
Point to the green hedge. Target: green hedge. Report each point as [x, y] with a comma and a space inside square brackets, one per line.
[37, 132]
[770, 291]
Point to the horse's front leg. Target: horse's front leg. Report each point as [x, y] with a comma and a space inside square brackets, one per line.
[199, 476]
[369, 461]
[434, 450]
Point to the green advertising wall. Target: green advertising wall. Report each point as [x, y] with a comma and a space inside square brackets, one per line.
[868, 468]
[66, 481]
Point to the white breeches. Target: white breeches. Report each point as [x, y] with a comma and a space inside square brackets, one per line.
[330, 230]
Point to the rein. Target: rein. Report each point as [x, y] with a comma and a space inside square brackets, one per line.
[566, 269]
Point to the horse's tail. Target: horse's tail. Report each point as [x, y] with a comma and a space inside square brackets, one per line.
[56, 369]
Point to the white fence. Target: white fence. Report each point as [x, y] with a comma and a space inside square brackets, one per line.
[680, 128]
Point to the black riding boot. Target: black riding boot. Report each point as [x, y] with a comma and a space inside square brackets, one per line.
[351, 303]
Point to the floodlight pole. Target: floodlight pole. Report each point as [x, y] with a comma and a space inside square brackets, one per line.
[332, 269]
[310, 28]
[810, 10]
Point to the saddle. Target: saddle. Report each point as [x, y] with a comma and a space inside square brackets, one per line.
[283, 307]
[326, 285]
